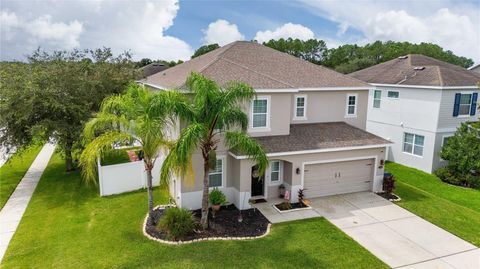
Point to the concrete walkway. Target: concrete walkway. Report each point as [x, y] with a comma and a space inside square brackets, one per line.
[13, 210]
[395, 235]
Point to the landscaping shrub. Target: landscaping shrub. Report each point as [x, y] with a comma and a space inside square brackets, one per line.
[217, 197]
[177, 223]
[461, 179]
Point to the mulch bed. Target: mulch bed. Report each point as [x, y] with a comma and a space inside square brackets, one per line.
[224, 224]
[281, 206]
[390, 197]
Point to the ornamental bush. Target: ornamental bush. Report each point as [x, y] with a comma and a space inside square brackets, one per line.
[176, 223]
[217, 197]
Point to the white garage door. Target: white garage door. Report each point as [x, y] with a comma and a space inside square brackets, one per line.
[338, 177]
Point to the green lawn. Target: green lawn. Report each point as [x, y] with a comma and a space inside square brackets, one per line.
[456, 209]
[67, 225]
[14, 169]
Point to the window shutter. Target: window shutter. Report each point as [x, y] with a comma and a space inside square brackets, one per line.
[473, 109]
[456, 106]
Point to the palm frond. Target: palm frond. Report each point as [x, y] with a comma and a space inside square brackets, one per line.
[232, 118]
[178, 160]
[97, 148]
[246, 145]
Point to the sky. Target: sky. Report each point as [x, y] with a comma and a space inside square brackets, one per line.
[172, 30]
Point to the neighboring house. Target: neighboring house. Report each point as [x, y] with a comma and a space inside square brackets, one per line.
[418, 103]
[475, 68]
[153, 68]
[309, 119]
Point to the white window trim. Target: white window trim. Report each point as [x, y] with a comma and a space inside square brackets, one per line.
[445, 136]
[280, 173]
[263, 128]
[373, 98]
[413, 145]
[470, 109]
[393, 98]
[295, 117]
[224, 166]
[354, 115]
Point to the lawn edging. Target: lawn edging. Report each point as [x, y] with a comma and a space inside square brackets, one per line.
[145, 233]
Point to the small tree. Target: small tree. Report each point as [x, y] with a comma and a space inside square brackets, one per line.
[214, 111]
[462, 150]
[138, 115]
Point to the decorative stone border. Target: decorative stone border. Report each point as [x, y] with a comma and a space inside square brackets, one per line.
[200, 239]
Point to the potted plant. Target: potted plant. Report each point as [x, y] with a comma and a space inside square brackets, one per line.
[217, 199]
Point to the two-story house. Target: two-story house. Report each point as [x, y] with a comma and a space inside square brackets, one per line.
[309, 119]
[418, 103]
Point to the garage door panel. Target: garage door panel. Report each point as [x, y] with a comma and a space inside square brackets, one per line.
[352, 176]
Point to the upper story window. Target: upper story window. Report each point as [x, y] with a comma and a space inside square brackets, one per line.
[300, 107]
[275, 171]
[413, 144]
[465, 104]
[260, 112]
[215, 177]
[393, 94]
[351, 108]
[377, 98]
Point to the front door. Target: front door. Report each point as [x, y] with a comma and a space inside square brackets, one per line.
[258, 182]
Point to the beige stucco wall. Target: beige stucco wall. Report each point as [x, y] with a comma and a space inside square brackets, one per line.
[238, 172]
[330, 106]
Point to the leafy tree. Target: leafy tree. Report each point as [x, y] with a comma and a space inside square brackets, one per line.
[312, 50]
[138, 115]
[214, 112]
[143, 62]
[462, 150]
[204, 49]
[53, 95]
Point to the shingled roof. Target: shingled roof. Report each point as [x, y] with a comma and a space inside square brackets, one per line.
[259, 66]
[318, 136]
[417, 69]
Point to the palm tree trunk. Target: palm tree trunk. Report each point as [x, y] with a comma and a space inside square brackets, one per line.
[150, 194]
[206, 170]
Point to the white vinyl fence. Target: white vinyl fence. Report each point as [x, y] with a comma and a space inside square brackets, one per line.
[125, 177]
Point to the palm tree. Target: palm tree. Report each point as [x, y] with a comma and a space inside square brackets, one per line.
[138, 115]
[214, 111]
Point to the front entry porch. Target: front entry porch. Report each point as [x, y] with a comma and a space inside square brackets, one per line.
[274, 216]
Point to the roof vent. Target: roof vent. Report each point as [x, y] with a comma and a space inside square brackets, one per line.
[403, 57]
[419, 68]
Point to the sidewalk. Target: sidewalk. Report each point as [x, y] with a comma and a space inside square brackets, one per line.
[12, 212]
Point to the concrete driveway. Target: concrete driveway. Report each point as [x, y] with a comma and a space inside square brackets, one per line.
[396, 236]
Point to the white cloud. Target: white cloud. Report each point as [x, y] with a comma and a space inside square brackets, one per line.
[221, 32]
[43, 29]
[137, 26]
[454, 26]
[285, 31]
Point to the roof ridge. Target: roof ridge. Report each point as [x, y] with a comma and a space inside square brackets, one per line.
[231, 45]
[440, 77]
[260, 73]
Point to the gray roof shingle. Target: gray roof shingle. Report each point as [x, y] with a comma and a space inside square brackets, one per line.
[402, 71]
[259, 66]
[314, 136]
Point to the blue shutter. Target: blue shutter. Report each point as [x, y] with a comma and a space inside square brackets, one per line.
[456, 106]
[473, 109]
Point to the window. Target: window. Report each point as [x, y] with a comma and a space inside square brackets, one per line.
[413, 144]
[300, 107]
[393, 94]
[275, 171]
[215, 177]
[445, 140]
[260, 113]
[377, 98]
[351, 105]
[465, 104]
